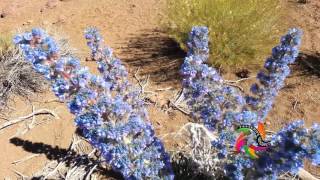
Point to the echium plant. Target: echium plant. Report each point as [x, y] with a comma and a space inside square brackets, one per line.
[276, 69]
[223, 109]
[107, 108]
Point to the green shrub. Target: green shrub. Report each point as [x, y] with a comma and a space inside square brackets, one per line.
[242, 32]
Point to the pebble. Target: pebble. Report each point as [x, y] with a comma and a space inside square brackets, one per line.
[3, 15]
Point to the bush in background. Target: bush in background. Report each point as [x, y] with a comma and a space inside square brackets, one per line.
[243, 31]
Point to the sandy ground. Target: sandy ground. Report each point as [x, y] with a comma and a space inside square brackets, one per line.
[131, 28]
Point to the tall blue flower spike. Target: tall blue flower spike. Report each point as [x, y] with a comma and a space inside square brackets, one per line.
[206, 94]
[107, 109]
[276, 69]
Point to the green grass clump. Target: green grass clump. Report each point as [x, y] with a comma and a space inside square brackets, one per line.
[242, 32]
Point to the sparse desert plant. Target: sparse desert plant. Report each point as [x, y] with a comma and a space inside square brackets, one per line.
[243, 30]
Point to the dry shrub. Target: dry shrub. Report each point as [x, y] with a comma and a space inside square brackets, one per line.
[17, 78]
[16, 75]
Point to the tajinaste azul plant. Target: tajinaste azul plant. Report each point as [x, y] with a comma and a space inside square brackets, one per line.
[276, 70]
[209, 99]
[223, 108]
[107, 109]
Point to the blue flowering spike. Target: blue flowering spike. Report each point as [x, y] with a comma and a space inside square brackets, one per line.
[210, 100]
[276, 70]
[107, 108]
[289, 147]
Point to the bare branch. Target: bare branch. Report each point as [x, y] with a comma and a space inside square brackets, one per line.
[172, 104]
[20, 119]
[25, 159]
[234, 85]
[20, 174]
[239, 80]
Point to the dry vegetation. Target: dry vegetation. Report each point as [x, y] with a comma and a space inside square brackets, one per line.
[17, 78]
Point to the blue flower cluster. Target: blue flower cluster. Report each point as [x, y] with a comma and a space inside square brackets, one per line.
[107, 108]
[276, 70]
[210, 100]
[290, 146]
[222, 109]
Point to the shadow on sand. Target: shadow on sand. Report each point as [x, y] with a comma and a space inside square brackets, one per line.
[156, 55]
[309, 63]
[60, 154]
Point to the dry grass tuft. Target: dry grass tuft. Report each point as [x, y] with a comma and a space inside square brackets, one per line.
[16, 75]
[17, 78]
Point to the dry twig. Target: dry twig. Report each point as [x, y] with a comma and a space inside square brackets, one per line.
[239, 80]
[177, 101]
[20, 119]
[25, 159]
[141, 84]
[234, 85]
[20, 174]
[175, 106]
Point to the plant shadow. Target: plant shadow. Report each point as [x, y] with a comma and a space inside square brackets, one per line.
[156, 55]
[59, 154]
[185, 168]
[309, 63]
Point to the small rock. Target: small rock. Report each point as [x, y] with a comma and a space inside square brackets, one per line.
[3, 15]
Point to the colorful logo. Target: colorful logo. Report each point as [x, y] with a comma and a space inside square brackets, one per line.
[243, 142]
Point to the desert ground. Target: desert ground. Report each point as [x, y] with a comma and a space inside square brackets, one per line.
[132, 29]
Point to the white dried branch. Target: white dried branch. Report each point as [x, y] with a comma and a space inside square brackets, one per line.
[20, 174]
[20, 119]
[176, 106]
[234, 85]
[25, 159]
[239, 80]
[143, 84]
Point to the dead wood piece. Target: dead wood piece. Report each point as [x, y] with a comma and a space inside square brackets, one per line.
[20, 119]
[25, 159]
